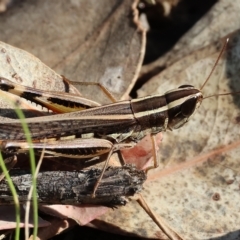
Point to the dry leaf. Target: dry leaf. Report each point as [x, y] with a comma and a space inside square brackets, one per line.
[57, 226]
[8, 218]
[84, 40]
[81, 214]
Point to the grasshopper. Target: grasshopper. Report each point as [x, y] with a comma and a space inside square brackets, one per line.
[97, 129]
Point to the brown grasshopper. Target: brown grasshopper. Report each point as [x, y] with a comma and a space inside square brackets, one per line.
[96, 129]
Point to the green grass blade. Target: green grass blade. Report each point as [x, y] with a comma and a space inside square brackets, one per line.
[15, 197]
[21, 116]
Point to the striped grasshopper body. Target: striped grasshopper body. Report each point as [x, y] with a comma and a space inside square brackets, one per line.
[108, 125]
[123, 122]
[99, 129]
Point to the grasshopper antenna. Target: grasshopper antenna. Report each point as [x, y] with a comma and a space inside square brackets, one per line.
[215, 64]
[220, 94]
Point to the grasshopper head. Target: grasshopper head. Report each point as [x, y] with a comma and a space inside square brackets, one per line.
[182, 103]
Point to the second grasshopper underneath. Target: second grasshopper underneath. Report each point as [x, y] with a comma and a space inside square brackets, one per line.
[96, 129]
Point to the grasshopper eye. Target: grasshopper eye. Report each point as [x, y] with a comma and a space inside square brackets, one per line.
[186, 86]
